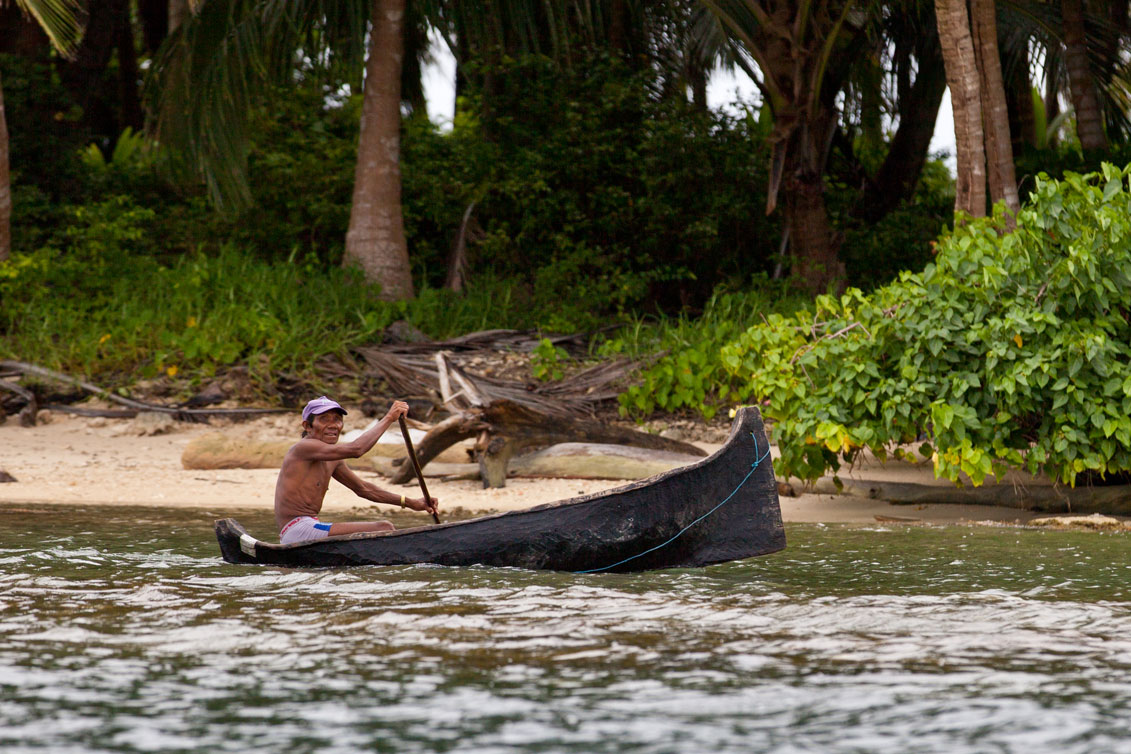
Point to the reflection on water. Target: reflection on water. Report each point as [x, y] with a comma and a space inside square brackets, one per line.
[128, 633]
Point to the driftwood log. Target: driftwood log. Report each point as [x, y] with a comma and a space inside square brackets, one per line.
[28, 412]
[568, 460]
[505, 428]
[1045, 498]
[217, 450]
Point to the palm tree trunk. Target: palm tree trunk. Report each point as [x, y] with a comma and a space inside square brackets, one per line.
[965, 98]
[995, 112]
[1089, 119]
[1019, 100]
[811, 234]
[5, 187]
[812, 240]
[178, 9]
[375, 241]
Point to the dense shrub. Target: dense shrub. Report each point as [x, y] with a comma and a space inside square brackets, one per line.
[1011, 350]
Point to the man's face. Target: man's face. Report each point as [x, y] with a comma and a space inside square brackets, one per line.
[325, 427]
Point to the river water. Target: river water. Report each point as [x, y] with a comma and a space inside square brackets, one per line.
[124, 631]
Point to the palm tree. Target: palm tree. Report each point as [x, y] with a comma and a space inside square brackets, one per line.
[995, 112]
[1080, 44]
[211, 65]
[962, 78]
[223, 49]
[792, 46]
[57, 18]
[1089, 117]
[375, 241]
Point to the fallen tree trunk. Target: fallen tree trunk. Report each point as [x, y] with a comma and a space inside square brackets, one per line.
[578, 460]
[27, 414]
[441, 437]
[520, 427]
[569, 460]
[178, 413]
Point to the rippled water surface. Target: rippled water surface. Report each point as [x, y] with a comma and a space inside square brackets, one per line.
[128, 633]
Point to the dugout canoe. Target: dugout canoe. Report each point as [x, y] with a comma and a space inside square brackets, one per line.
[722, 508]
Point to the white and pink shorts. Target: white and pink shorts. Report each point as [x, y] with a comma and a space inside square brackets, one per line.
[302, 529]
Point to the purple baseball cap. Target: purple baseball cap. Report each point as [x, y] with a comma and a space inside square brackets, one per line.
[320, 406]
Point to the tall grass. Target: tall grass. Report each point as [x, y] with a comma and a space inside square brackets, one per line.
[124, 316]
[116, 314]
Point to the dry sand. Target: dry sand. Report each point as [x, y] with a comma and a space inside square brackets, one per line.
[76, 460]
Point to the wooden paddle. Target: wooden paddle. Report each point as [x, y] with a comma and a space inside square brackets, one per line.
[416, 465]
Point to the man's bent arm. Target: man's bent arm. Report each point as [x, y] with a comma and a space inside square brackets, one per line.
[316, 450]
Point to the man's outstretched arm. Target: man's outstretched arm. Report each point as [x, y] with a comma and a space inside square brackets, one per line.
[369, 491]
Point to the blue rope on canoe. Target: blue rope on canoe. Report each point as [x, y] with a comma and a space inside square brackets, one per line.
[753, 468]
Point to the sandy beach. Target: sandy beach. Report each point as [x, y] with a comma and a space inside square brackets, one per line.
[68, 460]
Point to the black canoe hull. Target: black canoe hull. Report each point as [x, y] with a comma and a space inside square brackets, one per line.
[722, 508]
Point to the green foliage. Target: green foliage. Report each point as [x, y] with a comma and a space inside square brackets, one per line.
[1011, 350]
[546, 361]
[131, 151]
[303, 155]
[1057, 161]
[690, 375]
[442, 174]
[875, 253]
[605, 198]
[44, 132]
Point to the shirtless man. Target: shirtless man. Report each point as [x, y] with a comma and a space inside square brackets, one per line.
[315, 458]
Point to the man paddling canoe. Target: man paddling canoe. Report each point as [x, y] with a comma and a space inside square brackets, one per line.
[313, 460]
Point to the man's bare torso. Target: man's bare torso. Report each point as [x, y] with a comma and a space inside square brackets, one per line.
[301, 487]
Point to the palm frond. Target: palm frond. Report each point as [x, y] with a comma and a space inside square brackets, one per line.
[201, 89]
[58, 19]
[210, 70]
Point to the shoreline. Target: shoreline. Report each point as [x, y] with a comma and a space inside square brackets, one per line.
[70, 460]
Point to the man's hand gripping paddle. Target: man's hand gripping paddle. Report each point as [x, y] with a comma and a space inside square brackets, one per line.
[416, 467]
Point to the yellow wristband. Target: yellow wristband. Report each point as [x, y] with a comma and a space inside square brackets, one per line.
[402, 501]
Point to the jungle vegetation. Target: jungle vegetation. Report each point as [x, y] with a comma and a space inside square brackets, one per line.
[187, 186]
